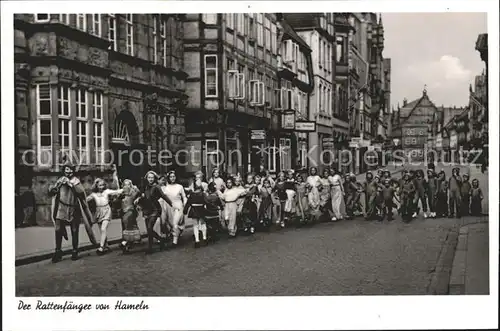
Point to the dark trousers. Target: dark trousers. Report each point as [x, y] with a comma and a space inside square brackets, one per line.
[387, 209]
[150, 220]
[61, 232]
[351, 202]
[370, 207]
[431, 198]
[441, 204]
[475, 206]
[455, 203]
[423, 200]
[465, 204]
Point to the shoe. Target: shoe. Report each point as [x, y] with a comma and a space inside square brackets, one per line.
[282, 224]
[334, 219]
[57, 257]
[100, 251]
[74, 256]
[196, 244]
[252, 230]
[414, 215]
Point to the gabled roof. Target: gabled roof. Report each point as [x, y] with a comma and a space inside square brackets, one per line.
[409, 108]
[293, 35]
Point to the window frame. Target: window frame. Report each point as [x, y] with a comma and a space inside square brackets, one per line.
[216, 71]
[129, 35]
[64, 117]
[65, 19]
[112, 35]
[285, 143]
[45, 20]
[98, 121]
[84, 120]
[83, 23]
[99, 24]
[44, 117]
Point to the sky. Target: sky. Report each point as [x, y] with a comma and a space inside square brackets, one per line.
[433, 49]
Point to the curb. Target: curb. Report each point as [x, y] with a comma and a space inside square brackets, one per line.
[47, 256]
[457, 278]
[440, 280]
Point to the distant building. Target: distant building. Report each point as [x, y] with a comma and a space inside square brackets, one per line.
[413, 125]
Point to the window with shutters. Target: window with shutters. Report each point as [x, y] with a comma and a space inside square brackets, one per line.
[256, 92]
[236, 84]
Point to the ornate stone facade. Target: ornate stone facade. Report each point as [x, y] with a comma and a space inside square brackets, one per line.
[75, 55]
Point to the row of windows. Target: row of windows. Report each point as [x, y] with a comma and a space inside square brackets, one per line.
[253, 26]
[325, 56]
[167, 45]
[64, 125]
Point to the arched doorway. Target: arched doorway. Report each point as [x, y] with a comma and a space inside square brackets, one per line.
[129, 156]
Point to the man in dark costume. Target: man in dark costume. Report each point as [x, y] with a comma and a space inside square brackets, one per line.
[69, 206]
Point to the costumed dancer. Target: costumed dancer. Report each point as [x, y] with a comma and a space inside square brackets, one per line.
[302, 201]
[314, 200]
[432, 191]
[370, 189]
[195, 208]
[102, 216]
[325, 196]
[165, 229]
[213, 206]
[421, 192]
[281, 197]
[130, 229]
[175, 192]
[455, 200]
[407, 194]
[465, 192]
[69, 205]
[290, 203]
[442, 195]
[151, 208]
[388, 195]
[230, 197]
[337, 193]
[476, 199]
[266, 205]
[249, 211]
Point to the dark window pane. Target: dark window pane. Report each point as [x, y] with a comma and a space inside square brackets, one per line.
[45, 141]
[44, 107]
[45, 127]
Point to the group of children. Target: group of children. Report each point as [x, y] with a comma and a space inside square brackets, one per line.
[258, 201]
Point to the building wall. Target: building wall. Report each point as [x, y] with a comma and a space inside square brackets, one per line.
[68, 66]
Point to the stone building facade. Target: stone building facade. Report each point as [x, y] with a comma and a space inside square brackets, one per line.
[94, 89]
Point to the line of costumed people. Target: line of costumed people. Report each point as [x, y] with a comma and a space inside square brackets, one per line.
[246, 205]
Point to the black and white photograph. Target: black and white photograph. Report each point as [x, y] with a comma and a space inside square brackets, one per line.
[180, 156]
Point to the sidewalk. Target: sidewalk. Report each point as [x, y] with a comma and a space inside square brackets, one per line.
[34, 244]
[470, 271]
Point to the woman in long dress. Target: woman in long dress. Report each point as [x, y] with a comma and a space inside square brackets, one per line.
[230, 197]
[313, 180]
[175, 212]
[130, 229]
[102, 215]
[165, 229]
[302, 201]
[337, 192]
[280, 198]
[291, 195]
[325, 195]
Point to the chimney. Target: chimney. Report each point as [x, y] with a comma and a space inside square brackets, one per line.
[405, 102]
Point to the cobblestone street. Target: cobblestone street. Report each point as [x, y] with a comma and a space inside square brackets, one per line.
[345, 258]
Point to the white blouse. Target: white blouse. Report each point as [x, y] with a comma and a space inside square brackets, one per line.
[176, 193]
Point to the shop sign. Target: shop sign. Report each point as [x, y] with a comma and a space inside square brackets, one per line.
[288, 121]
[453, 141]
[327, 143]
[439, 141]
[258, 135]
[305, 126]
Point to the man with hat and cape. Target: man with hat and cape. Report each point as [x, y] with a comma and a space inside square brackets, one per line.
[69, 207]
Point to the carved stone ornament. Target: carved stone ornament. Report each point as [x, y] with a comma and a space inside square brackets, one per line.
[40, 45]
[23, 70]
